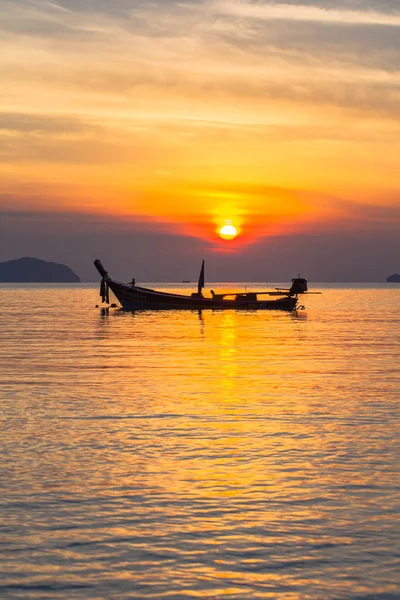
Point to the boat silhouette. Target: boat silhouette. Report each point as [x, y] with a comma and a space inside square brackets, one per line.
[134, 297]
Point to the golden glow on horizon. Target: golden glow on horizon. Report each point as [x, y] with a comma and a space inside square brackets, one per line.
[228, 232]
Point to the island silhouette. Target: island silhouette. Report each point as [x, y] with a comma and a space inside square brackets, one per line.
[34, 270]
[395, 278]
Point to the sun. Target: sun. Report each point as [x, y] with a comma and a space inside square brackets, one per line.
[228, 232]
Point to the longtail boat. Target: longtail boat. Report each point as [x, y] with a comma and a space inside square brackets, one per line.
[135, 297]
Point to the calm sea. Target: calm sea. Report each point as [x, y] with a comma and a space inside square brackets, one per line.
[179, 455]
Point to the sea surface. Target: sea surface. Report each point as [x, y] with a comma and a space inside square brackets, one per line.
[217, 455]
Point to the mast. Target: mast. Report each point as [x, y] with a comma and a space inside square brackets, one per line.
[200, 284]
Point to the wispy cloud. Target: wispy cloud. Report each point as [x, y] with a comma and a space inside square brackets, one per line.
[45, 4]
[297, 12]
[44, 124]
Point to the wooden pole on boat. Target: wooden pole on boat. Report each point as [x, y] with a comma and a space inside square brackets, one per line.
[200, 284]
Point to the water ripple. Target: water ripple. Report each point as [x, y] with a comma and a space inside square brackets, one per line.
[177, 455]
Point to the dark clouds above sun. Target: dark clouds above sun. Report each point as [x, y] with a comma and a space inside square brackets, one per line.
[280, 116]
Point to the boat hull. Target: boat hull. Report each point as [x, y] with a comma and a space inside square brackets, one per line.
[137, 298]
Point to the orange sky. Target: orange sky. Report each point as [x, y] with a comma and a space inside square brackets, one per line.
[273, 117]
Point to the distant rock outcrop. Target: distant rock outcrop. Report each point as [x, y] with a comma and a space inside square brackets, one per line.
[33, 270]
[393, 278]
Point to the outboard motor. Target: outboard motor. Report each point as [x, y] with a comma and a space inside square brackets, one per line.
[299, 286]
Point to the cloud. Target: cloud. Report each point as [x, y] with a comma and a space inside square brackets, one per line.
[135, 106]
[365, 216]
[379, 6]
[303, 12]
[163, 55]
[45, 124]
[33, 137]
